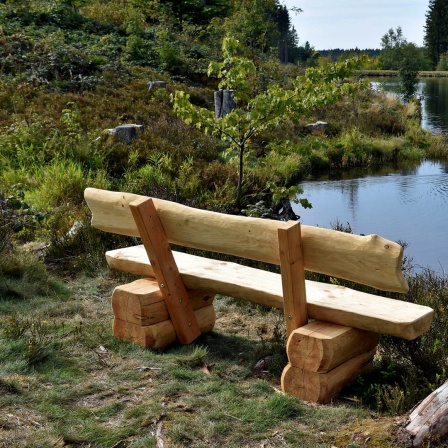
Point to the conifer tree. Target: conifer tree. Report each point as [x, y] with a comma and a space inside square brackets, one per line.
[284, 30]
[436, 30]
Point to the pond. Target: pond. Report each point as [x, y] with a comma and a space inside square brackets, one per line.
[407, 203]
[433, 93]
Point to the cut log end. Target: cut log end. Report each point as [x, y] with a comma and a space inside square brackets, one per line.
[162, 334]
[322, 346]
[322, 387]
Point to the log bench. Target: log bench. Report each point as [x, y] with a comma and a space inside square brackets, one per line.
[333, 331]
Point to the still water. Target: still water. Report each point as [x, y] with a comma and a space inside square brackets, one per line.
[434, 97]
[408, 204]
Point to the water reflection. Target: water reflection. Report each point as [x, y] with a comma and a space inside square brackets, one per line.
[434, 95]
[408, 204]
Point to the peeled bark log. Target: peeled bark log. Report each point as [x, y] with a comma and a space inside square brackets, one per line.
[141, 302]
[162, 334]
[369, 260]
[293, 277]
[326, 302]
[322, 387]
[165, 268]
[322, 346]
[430, 418]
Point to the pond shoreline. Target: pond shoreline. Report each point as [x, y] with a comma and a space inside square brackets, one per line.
[394, 73]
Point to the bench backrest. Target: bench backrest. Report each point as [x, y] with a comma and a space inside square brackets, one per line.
[369, 260]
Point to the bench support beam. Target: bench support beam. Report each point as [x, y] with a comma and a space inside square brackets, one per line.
[165, 269]
[162, 334]
[293, 277]
[325, 357]
[322, 346]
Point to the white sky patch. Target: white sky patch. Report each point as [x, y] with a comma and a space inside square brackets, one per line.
[328, 24]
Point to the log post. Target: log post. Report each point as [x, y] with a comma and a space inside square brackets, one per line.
[324, 357]
[322, 387]
[293, 277]
[165, 269]
[141, 302]
[162, 334]
[322, 346]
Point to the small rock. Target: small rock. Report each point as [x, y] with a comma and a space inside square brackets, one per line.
[319, 125]
[127, 132]
[263, 364]
[154, 85]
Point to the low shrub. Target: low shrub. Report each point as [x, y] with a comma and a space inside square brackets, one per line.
[18, 221]
[7, 221]
[405, 371]
[281, 169]
[438, 148]
[23, 275]
[34, 339]
[428, 354]
[62, 182]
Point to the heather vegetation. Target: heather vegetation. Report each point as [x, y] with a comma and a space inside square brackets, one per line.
[72, 69]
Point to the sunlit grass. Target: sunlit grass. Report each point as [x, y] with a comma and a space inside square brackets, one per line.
[94, 389]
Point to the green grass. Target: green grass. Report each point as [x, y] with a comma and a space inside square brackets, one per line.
[64, 377]
[92, 389]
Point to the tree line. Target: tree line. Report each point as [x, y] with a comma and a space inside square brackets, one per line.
[436, 33]
[265, 27]
[396, 50]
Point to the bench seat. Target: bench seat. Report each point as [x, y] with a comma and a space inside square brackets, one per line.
[325, 302]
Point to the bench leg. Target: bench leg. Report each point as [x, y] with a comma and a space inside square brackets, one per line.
[165, 269]
[162, 334]
[141, 314]
[324, 357]
[293, 277]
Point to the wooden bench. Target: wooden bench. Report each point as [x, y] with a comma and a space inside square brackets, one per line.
[333, 330]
